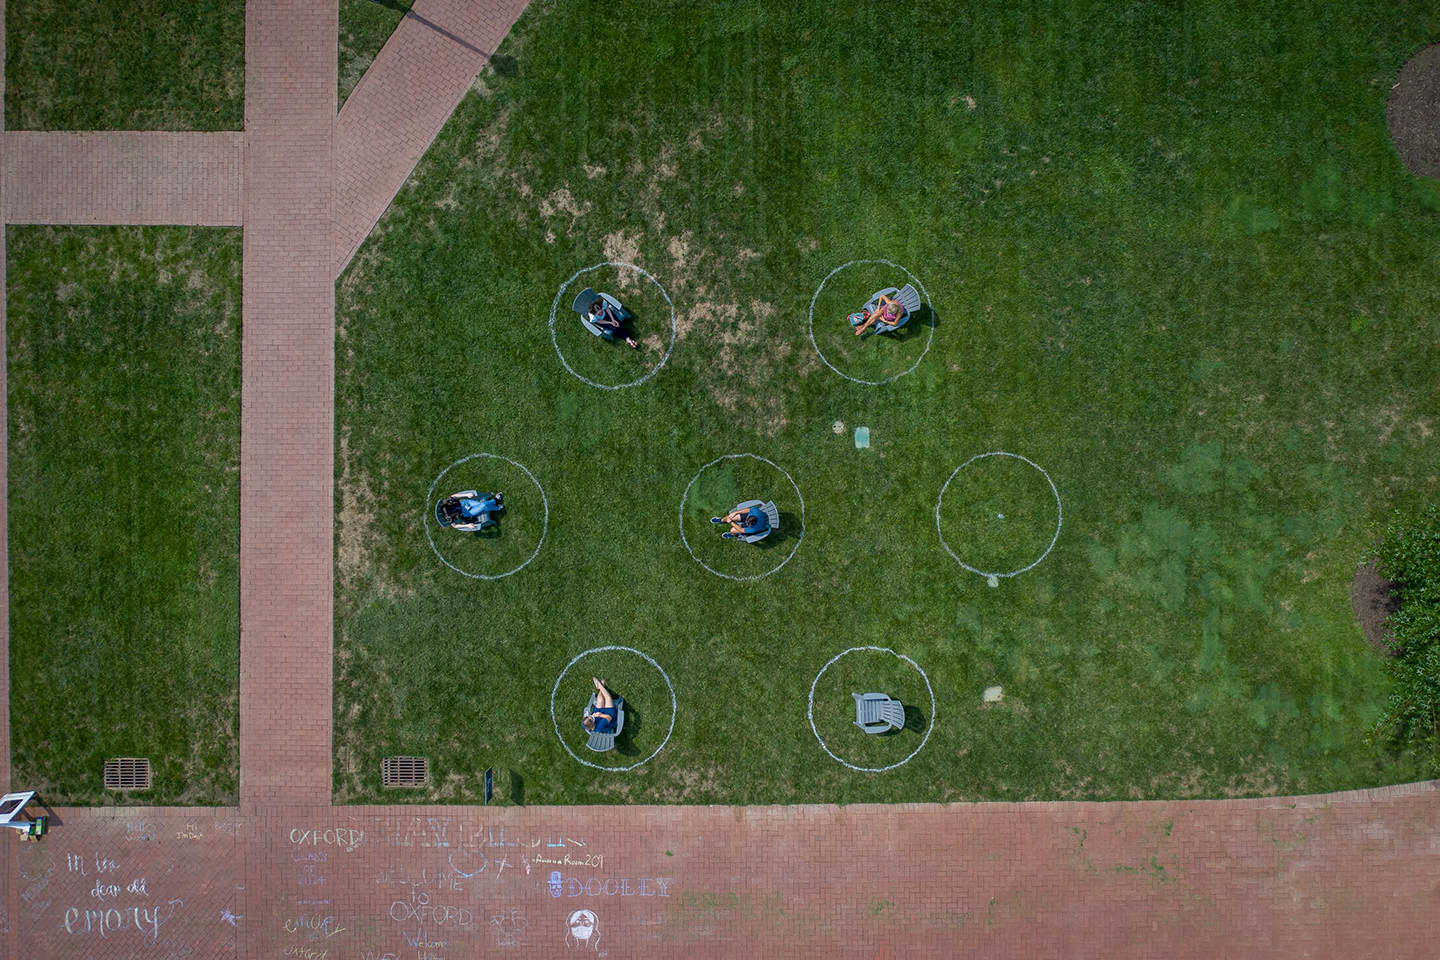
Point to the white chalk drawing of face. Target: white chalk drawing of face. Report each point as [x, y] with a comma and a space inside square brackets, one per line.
[583, 930]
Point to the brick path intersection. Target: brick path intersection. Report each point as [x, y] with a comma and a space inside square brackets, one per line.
[285, 874]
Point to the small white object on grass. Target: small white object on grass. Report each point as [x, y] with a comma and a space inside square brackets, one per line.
[1000, 516]
[838, 426]
[991, 695]
[992, 580]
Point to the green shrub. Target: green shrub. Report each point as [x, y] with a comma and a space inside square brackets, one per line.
[1409, 555]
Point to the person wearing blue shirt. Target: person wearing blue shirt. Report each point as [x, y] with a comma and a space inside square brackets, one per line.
[743, 523]
[602, 718]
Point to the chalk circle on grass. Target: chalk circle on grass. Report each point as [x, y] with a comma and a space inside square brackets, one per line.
[810, 711]
[431, 523]
[821, 353]
[556, 722]
[560, 295]
[730, 576]
[992, 577]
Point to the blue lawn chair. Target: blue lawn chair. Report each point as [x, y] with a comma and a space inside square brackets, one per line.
[909, 298]
[772, 520]
[601, 742]
[878, 713]
[582, 303]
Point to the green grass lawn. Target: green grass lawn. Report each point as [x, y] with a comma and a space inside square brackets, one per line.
[142, 65]
[1171, 258]
[124, 449]
[365, 25]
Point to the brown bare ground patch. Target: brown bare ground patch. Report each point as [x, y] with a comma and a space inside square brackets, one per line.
[562, 201]
[1261, 783]
[711, 128]
[487, 141]
[623, 248]
[352, 531]
[1373, 598]
[680, 254]
[710, 318]
[690, 783]
[591, 172]
[1386, 420]
[774, 418]
[1413, 113]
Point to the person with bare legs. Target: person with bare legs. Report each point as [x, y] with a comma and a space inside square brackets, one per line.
[743, 523]
[602, 718]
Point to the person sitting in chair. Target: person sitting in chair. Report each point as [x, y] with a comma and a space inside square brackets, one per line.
[464, 513]
[603, 316]
[887, 311]
[743, 523]
[602, 718]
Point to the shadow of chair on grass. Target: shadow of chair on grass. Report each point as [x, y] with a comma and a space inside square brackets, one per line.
[634, 724]
[915, 720]
[789, 529]
[921, 323]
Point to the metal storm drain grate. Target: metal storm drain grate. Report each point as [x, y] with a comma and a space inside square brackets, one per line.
[127, 773]
[404, 771]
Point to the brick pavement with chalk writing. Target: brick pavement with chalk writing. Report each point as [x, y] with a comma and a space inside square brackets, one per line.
[285, 874]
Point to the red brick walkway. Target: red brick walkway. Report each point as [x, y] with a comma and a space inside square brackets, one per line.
[1345, 876]
[287, 427]
[402, 102]
[144, 178]
[287, 875]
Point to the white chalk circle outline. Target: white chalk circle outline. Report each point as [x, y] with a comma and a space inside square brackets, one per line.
[810, 711]
[686, 496]
[556, 340]
[430, 515]
[674, 706]
[821, 354]
[1059, 514]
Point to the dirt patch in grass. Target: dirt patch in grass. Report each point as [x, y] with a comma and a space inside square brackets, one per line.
[1413, 113]
[690, 786]
[562, 201]
[1374, 600]
[621, 247]
[352, 521]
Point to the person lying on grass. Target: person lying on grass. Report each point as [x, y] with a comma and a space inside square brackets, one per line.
[887, 310]
[602, 718]
[743, 523]
[603, 317]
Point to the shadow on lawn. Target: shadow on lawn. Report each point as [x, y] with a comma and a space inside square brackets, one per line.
[789, 529]
[914, 723]
[634, 723]
[915, 720]
[924, 320]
